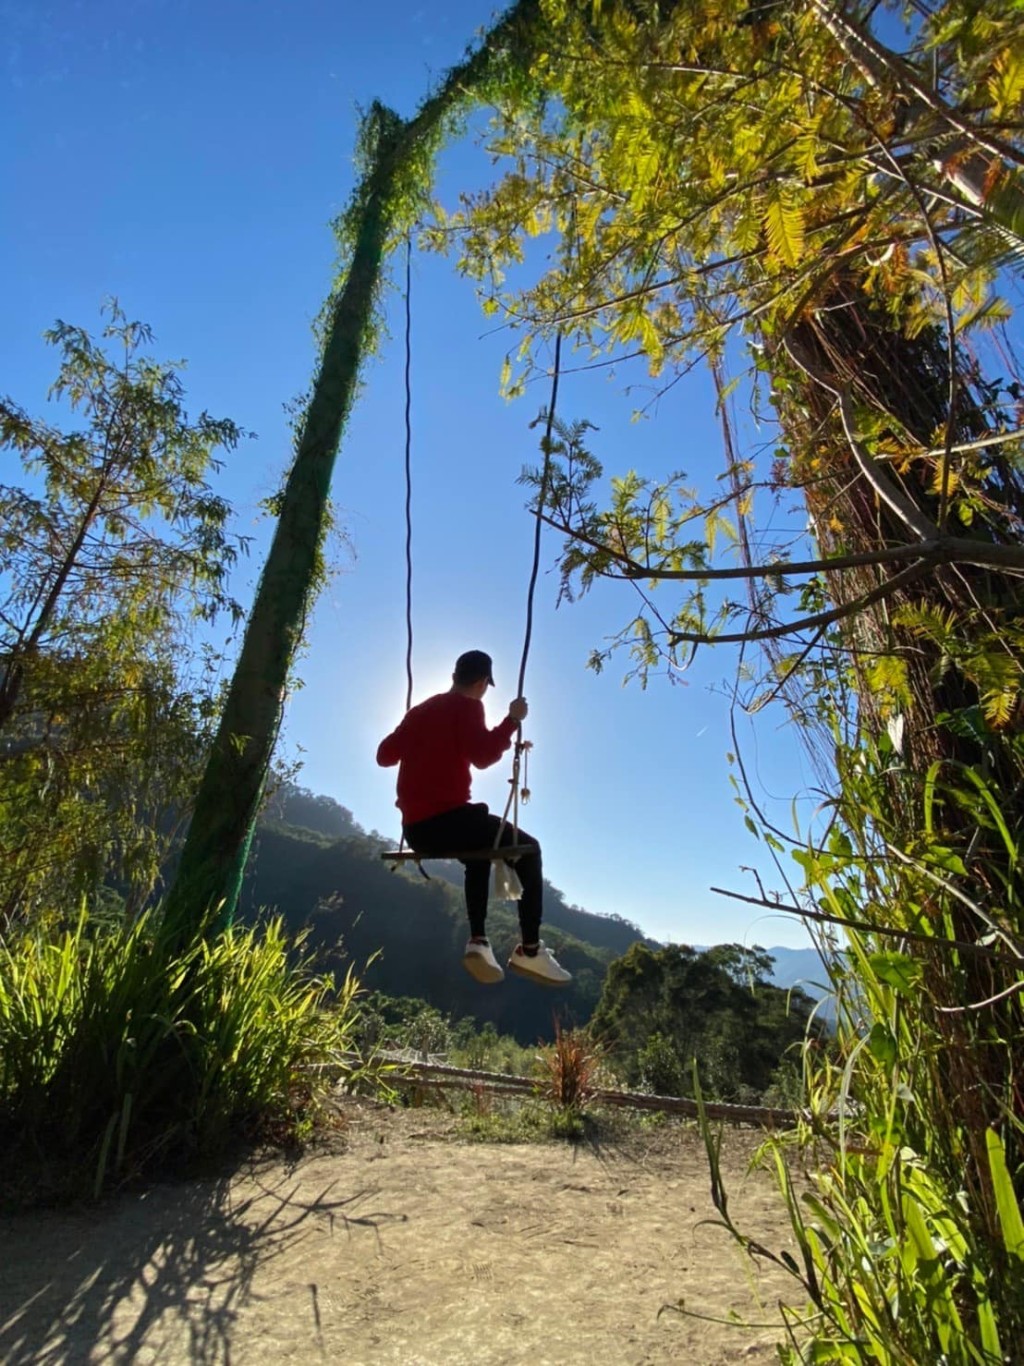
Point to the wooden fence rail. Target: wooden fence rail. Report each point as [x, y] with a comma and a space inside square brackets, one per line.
[421, 1072]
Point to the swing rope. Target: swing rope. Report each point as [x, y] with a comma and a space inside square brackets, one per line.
[408, 470]
[538, 510]
[522, 746]
[519, 760]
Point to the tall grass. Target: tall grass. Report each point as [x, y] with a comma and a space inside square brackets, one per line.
[117, 1059]
[905, 1186]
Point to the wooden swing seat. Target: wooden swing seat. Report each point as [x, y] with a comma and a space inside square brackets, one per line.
[506, 851]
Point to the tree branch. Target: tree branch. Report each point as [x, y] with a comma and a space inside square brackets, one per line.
[873, 59]
[900, 580]
[889, 931]
[935, 551]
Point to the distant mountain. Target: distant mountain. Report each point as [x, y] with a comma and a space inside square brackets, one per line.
[799, 968]
[603, 931]
[290, 804]
[301, 809]
[803, 968]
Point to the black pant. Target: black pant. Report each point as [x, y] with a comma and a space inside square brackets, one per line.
[473, 827]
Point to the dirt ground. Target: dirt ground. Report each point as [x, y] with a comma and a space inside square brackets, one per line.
[404, 1244]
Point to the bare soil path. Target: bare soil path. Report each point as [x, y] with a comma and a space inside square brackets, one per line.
[405, 1245]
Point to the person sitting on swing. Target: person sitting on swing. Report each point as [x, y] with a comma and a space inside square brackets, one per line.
[434, 747]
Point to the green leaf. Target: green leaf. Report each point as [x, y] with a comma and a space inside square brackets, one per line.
[784, 227]
[839, 843]
[896, 970]
[807, 860]
[947, 859]
[881, 1044]
[1010, 1221]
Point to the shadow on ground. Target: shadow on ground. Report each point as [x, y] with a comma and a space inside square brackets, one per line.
[186, 1254]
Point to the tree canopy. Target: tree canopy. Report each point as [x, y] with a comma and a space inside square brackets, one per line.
[664, 1010]
[112, 549]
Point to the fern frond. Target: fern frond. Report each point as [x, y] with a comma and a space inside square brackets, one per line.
[784, 227]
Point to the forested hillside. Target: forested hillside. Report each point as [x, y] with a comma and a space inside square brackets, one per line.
[296, 806]
[405, 933]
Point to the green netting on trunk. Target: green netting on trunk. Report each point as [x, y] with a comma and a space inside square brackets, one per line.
[229, 796]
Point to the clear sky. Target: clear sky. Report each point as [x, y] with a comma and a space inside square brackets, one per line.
[187, 156]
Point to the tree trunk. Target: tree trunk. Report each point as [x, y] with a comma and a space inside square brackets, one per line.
[851, 347]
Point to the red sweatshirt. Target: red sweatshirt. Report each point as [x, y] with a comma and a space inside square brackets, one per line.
[434, 747]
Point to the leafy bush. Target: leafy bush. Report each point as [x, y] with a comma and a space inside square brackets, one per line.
[401, 1022]
[661, 1070]
[485, 1050]
[116, 1059]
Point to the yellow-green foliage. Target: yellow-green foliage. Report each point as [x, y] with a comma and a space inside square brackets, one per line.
[710, 165]
[112, 542]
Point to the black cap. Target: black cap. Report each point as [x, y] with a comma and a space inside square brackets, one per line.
[472, 666]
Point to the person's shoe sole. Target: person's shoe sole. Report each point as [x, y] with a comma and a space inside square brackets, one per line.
[482, 971]
[522, 971]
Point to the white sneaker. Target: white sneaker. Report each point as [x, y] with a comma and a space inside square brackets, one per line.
[480, 962]
[543, 966]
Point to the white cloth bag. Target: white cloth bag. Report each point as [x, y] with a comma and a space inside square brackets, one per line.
[505, 884]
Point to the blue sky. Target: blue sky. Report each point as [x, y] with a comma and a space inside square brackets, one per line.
[188, 158]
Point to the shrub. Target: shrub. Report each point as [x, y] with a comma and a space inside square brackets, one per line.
[662, 1071]
[567, 1069]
